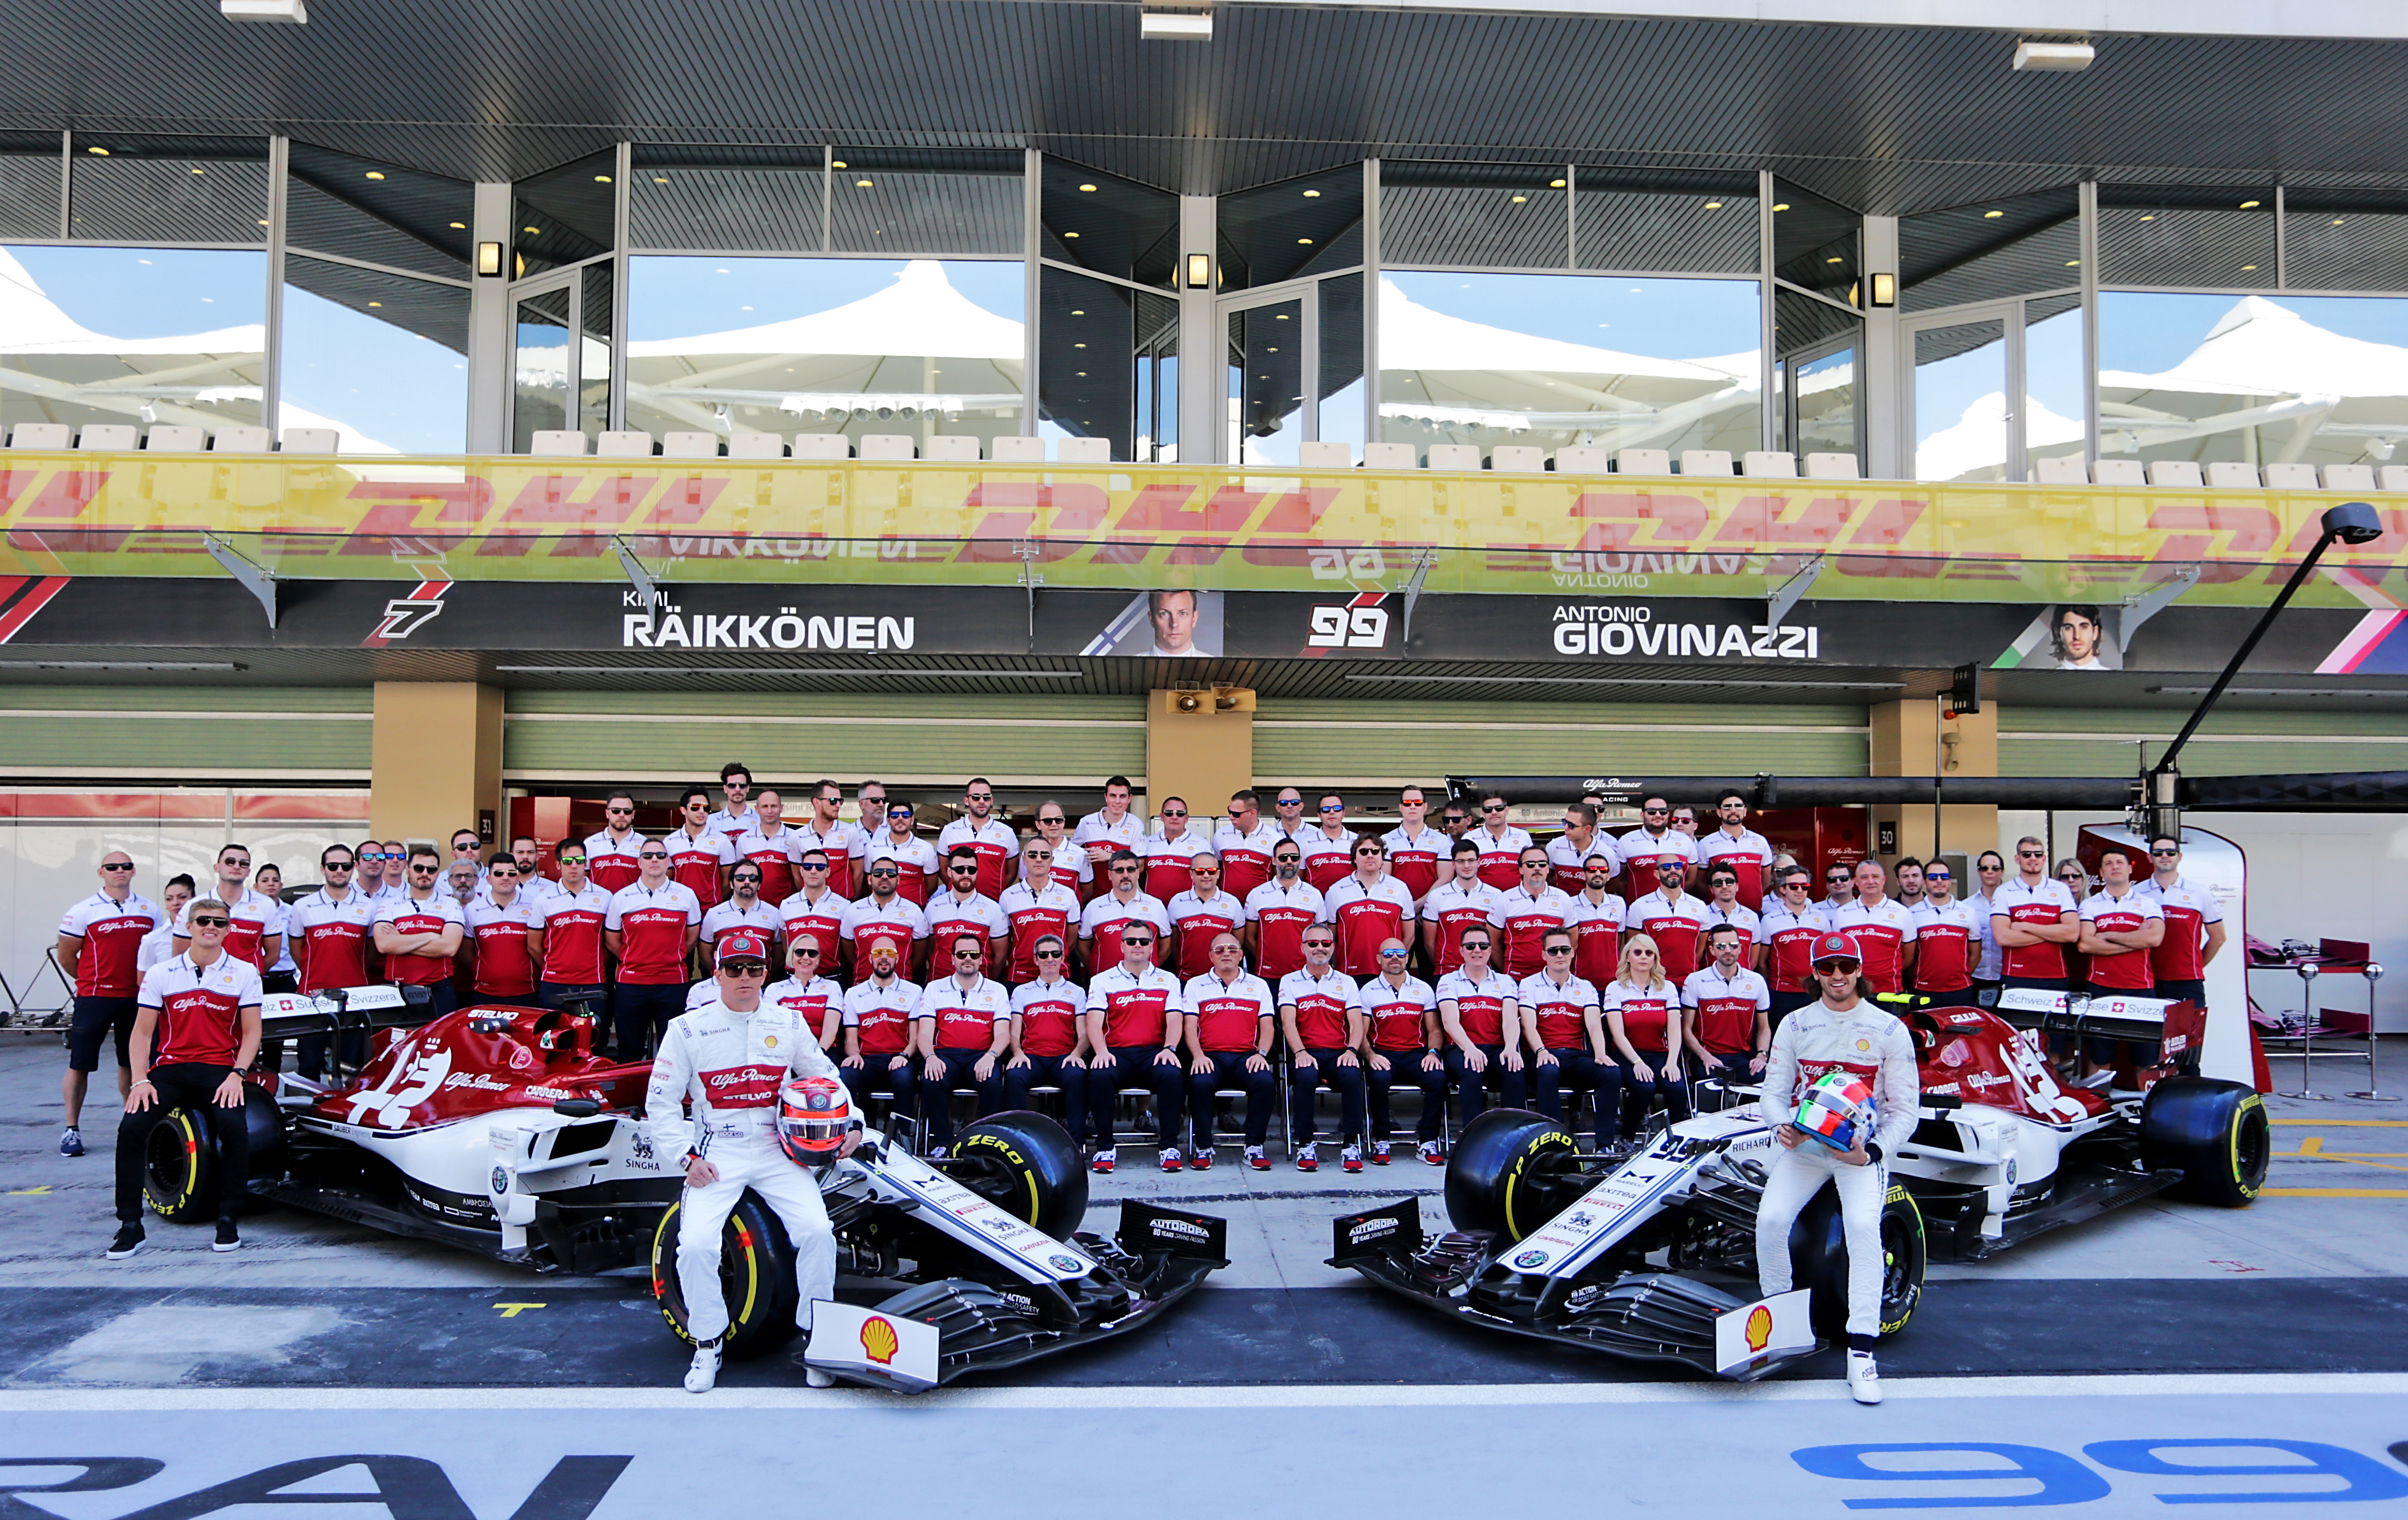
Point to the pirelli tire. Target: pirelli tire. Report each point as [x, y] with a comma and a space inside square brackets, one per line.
[1509, 1172]
[756, 1276]
[1026, 1164]
[2215, 1132]
[1818, 1260]
[180, 1161]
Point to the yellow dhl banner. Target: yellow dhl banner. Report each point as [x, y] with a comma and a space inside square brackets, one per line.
[1202, 526]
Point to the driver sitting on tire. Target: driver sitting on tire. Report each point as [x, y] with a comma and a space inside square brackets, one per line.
[1845, 1032]
[732, 1056]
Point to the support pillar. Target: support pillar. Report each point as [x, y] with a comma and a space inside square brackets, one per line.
[1202, 755]
[1913, 736]
[437, 758]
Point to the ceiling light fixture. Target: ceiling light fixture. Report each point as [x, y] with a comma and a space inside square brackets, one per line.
[1781, 206]
[2054, 57]
[373, 174]
[601, 179]
[1157, 25]
[1554, 184]
[1519, 200]
[863, 184]
[1312, 195]
[1306, 242]
[2249, 206]
[293, 12]
[839, 163]
[97, 153]
[1070, 234]
[1992, 216]
[1089, 188]
[1714, 206]
[459, 226]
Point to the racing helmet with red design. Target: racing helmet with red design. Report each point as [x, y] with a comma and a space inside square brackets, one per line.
[1837, 1108]
[814, 1113]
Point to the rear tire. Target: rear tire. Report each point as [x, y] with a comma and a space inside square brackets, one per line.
[2215, 1131]
[756, 1276]
[1818, 1259]
[1027, 1164]
[1510, 1173]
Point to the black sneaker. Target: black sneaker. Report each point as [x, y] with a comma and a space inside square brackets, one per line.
[71, 1143]
[227, 1240]
[129, 1241]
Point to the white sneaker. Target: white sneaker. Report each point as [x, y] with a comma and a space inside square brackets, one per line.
[1864, 1379]
[702, 1374]
[1431, 1154]
[813, 1377]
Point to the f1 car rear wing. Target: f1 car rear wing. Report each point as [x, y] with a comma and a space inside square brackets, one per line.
[286, 1016]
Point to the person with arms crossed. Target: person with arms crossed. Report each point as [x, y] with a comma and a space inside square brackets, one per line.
[419, 932]
[334, 932]
[1480, 1013]
[498, 922]
[1642, 1026]
[1232, 1018]
[959, 1035]
[1103, 920]
[1401, 1042]
[815, 911]
[1569, 853]
[1328, 846]
[1749, 853]
[1502, 845]
[2076, 881]
[1650, 845]
[2035, 921]
[1169, 854]
[649, 929]
[1415, 849]
[1947, 941]
[1526, 913]
[99, 946]
[1990, 872]
[1134, 1016]
[611, 851]
[1368, 907]
[2121, 927]
[2194, 925]
[988, 837]
[1728, 1023]
[1724, 905]
[1884, 930]
[1460, 900]
[772, 846]
[1672, 919]
[1843, 1030]
[961, 908]
[1320, 1013]
[1036, 905]
[1200, 914]
[1243, 841]
[1567, 1054]
[878, 1009]
[564, 939]
[917, 867]
[195, 1032]
[258, 932]
[885, 914]
[1049, 1031]
[1278, 911]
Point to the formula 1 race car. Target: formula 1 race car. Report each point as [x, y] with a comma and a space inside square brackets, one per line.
[499, 1130]
[1553, 1243]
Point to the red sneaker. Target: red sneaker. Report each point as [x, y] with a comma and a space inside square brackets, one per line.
[1352, 1158]
[1308, 1161]
[1171, 1161]
[1379, 1153]
[1103, 1161]
[1256, 1158]
[1201, 1160]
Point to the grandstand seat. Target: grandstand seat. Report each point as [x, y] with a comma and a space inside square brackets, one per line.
[755, 446]
[242, 439]
[2392, 478]
[823, 446]
[312, 440]
[627, 445]
[1517, 459]
[1391, 456]
[2289, 477]
[1326, 454]
[2175, 472]
[690, 445]
[1773, 464]
[1454, 456]
[1705, 462]
[112, 437]
[2119, 472]
[2232, 475]
[887, 447]
[38, 436]
[1642, 462]
[954, 448]
[1833, 468]
[2349, 476]
[1013, 448]
[2061, 469]
[1084, 452]
[1582, 459]
[557, 443]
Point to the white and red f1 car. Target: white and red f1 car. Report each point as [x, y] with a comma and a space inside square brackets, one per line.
[499, 1130]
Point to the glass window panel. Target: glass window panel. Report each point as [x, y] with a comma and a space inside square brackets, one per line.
[2335, 241]
[380, 359]
[1088, 375]
[1961, 402]
[2052, 378]
[359, 208]
[1279, 230]
[563, 215]
[31, 174]
[1341, 410]
[1826, 400]
[2156, 236]
[169, 190]
[1633, 219]
[2012, 245]
[1495, 215]
[2319, 380]
[1266, 363]
[1801, 323]
[1569, 359]
[926, 201]
[850, 346]
[594, 325]
[539, 402]
[750, 200]
[1110, 225]
[1817, 245]
[133, 335]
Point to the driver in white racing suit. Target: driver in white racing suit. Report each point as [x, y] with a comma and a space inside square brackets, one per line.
[1846, 1031]
[732, 1055]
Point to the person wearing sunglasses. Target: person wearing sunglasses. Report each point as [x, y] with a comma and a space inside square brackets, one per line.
[1460, 901]
[1414, 848]
[992, 840]
[917, 867]
[2035, 921]
[1841, 1031]
[814, 911]
[1650, 845]
[1724, 905]
[1103, 922]
[500, 919]
[844, 843]
[649, 929]
[1478, 1008]
[1368, 907]
[2194, 924]
[1640, 1013]
[1502, 845]
[1788, 931]
[1527, 913]
[961, 908]
[1244, 840]
[1049, 1028]
[1039, 904]
[1727, 1018]
[816, 997]
[700, 856]
[1278, 911]
[1749, 853]
[1320, 1015]
[1561, 1030]
[1170, 853]
[1884, 930]
[367, 858]
[878, 1009]
[1838, 887]
[565, 939]
[1596, 919]
[195, 1032]
[885, 914]
[333, 933]
[1672, 919]
[1135, 1017]
[1947, 941]
[611, 851]
[1232, 1018]
[1198, 915]
[738, 818]
[1110, 828]
[745, 909]
[1328, 844]
[1071, 867]
[1989, 874]
[99, 946]
[1401, 1041]
[258, 932]
[418, 933]
[960, 1033]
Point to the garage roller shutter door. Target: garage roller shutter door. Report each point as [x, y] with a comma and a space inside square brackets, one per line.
[1378, 743]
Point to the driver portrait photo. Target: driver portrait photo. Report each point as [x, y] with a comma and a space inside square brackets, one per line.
[2078, 640]
[1164, 625]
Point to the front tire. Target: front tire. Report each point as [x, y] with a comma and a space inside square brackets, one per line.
[756, 1277]
[1510, 1173]
[180, 1161]
[1818, 1259]
[2215, 1131]
[1026, 1165]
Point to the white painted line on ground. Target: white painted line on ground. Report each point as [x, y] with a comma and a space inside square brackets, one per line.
[2216, 1384]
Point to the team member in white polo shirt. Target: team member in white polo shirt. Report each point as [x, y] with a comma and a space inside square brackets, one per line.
[1947, 940]
[1989, 874]
[1135, 1011]
[1278, 911]
[878, 1009]
[1320, 1013]
[1502, 845]
[1480, 1012]
[1328, 845]
[1169, 854]
[772, 846]
[1232, 1017]
[883, 912]
[1198, 915]
[1569, 853]
[1526, 913]
[2035, 921]
[1460, 900]
[917, 865]
[1648, 845]
[1103, 922]
[959, 1035]
[258, 932]
[1110, 828]
[960, 907]
[1726, 905]
[1789, 929]
[1416, 850]
[817, 998]
[1749, 852]
[649, 928]
[745, 909]
[1673, 919]
[1049, 1029]
[1727, 1024]
[564, 939]
[844, 843]
[700, 856]
[1401, 1045]
[815, 911]
[1882, 927]
[611, 851]
[737, 817]
[990, 837]
[1243, 841]
[1567, 1044]
[1369, 907]
[1036, 905]
[2194, 925]
[100, 941]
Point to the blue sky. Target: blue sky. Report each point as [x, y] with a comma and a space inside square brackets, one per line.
[151, 292]
[676, 296]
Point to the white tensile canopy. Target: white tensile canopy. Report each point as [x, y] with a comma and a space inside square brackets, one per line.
[2321, 397]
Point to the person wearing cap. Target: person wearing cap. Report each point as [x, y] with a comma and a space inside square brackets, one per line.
[730, 1059]
[1843, 1030]
[878, 1010]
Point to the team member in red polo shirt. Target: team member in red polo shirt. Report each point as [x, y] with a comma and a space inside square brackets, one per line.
[885, 912]
[1883, 928]
[1101, 923]
[1597, 922]
[844, 843]
[258, 932]
[916, 863]
[772, 846]
[1278, 911]
[1567, 1043]
[1724, 905]
[959, 1034]
[1642, 1025]
[1321, 1012]
[564, 939]
[1169, 854]
[1369, 907]
[1480, 1013]
[1527, 913]
[332, 932]
[878, 1009]
[1134, 1016]
[1749, 853]
[2122, 925]
[1729, 1025]
[815, 911]
[1414, 848]
[1648, 845]
[2194, 925]
[100, 940]
[1243, 841]
[498, 921]
[745, 909]
[961, 908]
[1328, 845]
[1458, 903]
[1502, 845]
[1231, 1017]
[700, 856]
[1200, 914]
[1049, 1029]
[1790, 929]
[649, 929]
[1071, 867]
[2034, 920]
[990, 837]
[1569, 853]
[418, 933]
[197, 1028]
[1947, 941]
[1674, 920]
[611, 851]
[818, 1000]
[1401, 1045]
[1036, 905]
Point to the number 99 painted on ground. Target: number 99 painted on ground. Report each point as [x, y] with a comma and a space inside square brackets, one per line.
[2344, 1475]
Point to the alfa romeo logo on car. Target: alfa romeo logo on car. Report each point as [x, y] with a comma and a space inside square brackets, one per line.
[1066, 1264]
[1530, 1258]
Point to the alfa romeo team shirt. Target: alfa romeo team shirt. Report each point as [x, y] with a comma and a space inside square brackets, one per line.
[1169, 864]
[1648, 1013]
[1750, 854]
[820, 920]
[331, 939]
[1245, 858]
[1049, 1014]
[2188, 910]
[815, 1000]
[1561, 1009]
[200, 1008]
[611, 863]
[1320, 1003]
[1882, 934]
[843, 843]
[572, 935]
[1678, 928]
[695, 861]
[1643, 852]
[915, 861]
[503, 966]
[1399, 1017]
[254, 916]
[1195, 924]
[966, 1017]
[420, 915]
[776, 854]
[651, 924]
[996, 844]
[2111, 914]
[1948, 945]
[112, 934]
[1414, 858]
[882, 1015]
[1228, 1014]
[1597, 938]
[1281, 915]
[1136, 1008]
[1326, 861]
[950, 917]
[899, 920]
[1526, 917]
[1102, 920]
[1500, 854]
[1032, 915]
[1479, 1007]
[1455, 906]
[1740, 917]
[1567, 863]
[1364, 916]
[1792, 937]
[1726, 1008]
[2025, 906]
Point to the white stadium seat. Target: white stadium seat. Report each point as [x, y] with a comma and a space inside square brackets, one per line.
[2232, 475]
[177, 439]
[1464, 456]
[38, 436]
[556, 443]
[1326, 454]
[244, 440]
[2119, 472]
[2290, 476]
[1517, 459]
[2175, 472]
[823, 446]
[630, 445]
[2391, 478]
[1832, 468]
[1582, 459]
[2349, 476]
[1642, 462]
[954, 448]
[1013, 448]
[689, 446]
[111, 438]
[312, 440]
[1390, 457]
[1705, 462]
[755, 446]
[2061, 469]
[1084, 452]
[1771, 463]
[888, 447]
